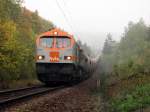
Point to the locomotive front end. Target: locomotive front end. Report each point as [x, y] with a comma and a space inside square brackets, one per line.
[56, 56]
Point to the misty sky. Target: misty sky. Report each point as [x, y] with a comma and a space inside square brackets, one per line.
[92, 19]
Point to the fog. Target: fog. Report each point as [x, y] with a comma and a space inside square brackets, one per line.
[91, 20]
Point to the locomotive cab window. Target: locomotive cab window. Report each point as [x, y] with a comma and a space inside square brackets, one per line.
[63, 42]
[47, 42]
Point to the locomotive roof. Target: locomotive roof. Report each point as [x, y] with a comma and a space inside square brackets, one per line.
[56, 32]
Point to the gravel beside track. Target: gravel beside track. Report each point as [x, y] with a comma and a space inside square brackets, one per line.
[72, 99]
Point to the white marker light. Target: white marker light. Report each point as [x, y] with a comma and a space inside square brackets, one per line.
[55, 33]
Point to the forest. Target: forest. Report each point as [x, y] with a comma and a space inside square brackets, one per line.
[18, 29]
[125, 68]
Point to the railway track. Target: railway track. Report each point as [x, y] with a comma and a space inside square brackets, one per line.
[11, 96]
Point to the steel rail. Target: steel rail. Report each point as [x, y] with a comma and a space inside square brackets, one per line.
[19, 89]
[27, 95]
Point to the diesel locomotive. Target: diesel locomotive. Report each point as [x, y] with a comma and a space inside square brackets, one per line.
[59, 58]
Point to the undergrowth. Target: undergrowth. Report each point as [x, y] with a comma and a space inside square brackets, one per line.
[137, 98]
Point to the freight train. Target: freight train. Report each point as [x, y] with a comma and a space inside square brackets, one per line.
[59, 58]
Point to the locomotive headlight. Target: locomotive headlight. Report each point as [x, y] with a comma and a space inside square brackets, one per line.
[67, 58]
[40, 57]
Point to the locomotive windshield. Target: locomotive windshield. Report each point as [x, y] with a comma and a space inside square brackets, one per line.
[58, 42]
[47, 42]
[62, 42]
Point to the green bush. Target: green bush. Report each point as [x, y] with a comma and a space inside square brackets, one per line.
[133, 99]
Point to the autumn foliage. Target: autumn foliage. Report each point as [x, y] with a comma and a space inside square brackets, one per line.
[18, 29]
